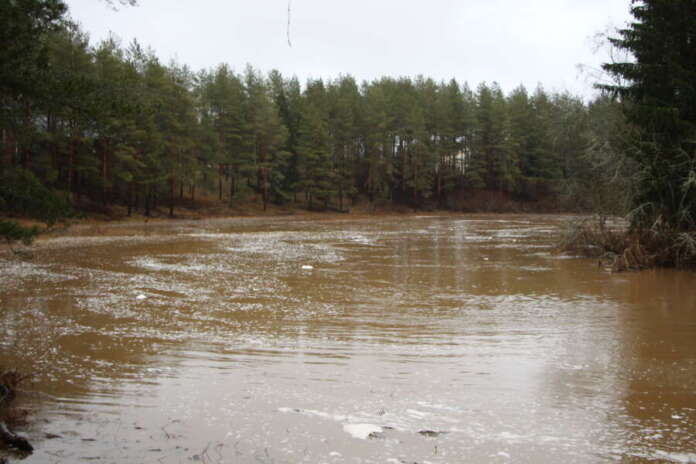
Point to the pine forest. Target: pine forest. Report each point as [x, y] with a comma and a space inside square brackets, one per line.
[107, 124]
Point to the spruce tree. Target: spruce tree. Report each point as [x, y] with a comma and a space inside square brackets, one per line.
[659, 91]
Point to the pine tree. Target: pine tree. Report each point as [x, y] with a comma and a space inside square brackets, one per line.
[266, 137]
[287, 97]
[114, 118]
[148, 138]
[24, 28]
[73, 110]
[225, 103]
[495, 166]
[177, 122]
[315, 143]
[376, 169]
[344, 123]
[421, 165]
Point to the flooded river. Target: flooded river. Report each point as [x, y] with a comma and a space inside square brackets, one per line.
[455, 339]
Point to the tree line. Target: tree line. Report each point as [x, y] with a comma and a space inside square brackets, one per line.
[106, 124]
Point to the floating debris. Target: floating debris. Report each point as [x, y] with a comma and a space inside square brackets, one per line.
[431, 433]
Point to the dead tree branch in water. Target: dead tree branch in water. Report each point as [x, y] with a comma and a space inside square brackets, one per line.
[13, 440]
[8, 384]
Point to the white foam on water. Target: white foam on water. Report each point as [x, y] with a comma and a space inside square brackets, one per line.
[12, 271]
[154, 264]
[357, 430]
[685, 458]
[360, 239]
[311, 412]
[210, 235]
[361, 431]
[417, 414]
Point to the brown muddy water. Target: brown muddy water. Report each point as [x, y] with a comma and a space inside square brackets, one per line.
[380, 340]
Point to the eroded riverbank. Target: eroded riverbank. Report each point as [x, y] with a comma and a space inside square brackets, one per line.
[292, 339]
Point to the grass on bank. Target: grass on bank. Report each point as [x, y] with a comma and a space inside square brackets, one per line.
[620, 248]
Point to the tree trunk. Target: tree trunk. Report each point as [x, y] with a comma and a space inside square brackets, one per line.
[340, 197]
[7, 151]
[172, 189]
[439, 188]
[26, 148]
[147, 201]
[53, 148]
[402, 168]
[79, 185]
[415, 190]
[232, 187]
[220, 181]
[26, 151]
[130, 198]
[264, 188]
[71, 168]
[105, 148]
[9, 143]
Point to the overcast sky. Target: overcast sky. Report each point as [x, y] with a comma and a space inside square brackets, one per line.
[509, 41]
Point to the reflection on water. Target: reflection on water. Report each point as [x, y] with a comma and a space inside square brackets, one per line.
[421, 339]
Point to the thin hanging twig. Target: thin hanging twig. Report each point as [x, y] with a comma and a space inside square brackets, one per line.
[288, 30]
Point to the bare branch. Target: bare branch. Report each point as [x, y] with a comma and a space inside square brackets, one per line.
[288, 30]
[113, 4]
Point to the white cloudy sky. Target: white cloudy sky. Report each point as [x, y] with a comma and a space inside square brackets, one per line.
[509, 41]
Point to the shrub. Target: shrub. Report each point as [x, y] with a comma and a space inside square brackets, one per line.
[622, 249]
[21, 193]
